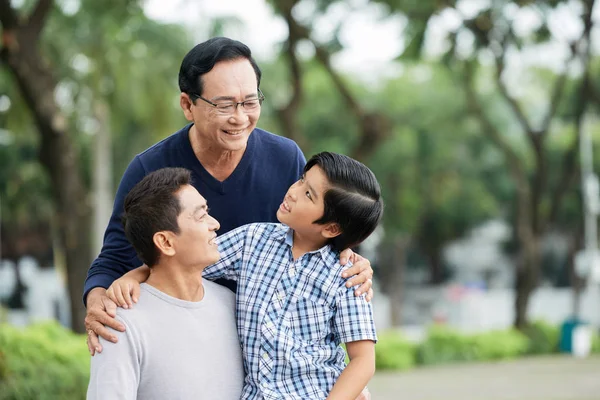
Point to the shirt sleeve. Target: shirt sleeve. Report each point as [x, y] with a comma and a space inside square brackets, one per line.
[117, 256]
[115, 373]
[353, 317]
[231, 248]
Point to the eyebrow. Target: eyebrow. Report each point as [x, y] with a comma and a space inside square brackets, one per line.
[231, 98]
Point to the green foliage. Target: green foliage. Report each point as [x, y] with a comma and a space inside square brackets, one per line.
[543, 338]
[445, 345]
[44, 361]
[393, 352]
[596, 342]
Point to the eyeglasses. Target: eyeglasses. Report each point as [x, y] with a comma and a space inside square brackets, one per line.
[230, 107]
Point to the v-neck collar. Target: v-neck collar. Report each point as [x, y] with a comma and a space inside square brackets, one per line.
[207, 178]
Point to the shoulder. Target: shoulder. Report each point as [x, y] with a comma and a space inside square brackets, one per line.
[221, 293]
[157, 155]
[277, 147]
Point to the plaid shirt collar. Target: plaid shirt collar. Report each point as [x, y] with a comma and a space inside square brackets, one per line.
[327, 253]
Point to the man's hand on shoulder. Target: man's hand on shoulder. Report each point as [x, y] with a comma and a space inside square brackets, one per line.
[101, 312]
[360, 273]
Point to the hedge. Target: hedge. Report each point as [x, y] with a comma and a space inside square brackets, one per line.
[42, 362]
[48, 362]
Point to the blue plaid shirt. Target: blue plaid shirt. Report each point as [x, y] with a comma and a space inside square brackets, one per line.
[291, 315]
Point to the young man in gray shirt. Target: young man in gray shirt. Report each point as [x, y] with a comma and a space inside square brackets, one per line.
[180, 340]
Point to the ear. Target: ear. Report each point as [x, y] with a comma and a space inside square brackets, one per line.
[331, 230]
[185, 102]
[164, 241]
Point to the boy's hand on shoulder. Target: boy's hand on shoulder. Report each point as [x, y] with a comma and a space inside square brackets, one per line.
[360, 273]
[124, 292]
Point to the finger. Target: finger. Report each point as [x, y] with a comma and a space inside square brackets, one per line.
[369, 296]
[120, 298]
[345, 256]
[135, 293]
[127, 295]
[365, 287]
[110, 307]
[351, 272]
[89, 345]
[106, 319]
[110, 293]
[100, 330]
[94, 342]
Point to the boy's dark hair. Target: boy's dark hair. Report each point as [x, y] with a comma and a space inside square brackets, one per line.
[203, 57]
[152, 206]
[353, 199]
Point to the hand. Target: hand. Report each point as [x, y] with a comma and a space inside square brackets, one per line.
[101, 312]
[124, 291]
[364, 395]
[360, 273]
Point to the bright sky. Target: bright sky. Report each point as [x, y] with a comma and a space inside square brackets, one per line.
[370, 42]
[371, 39]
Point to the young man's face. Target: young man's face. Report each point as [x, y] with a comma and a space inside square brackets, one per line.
[195, 244]
[303, 202]
[228, 81]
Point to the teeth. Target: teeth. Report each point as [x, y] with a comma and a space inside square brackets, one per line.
[234, 132]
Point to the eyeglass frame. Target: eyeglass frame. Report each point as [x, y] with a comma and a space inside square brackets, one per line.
[260, 98]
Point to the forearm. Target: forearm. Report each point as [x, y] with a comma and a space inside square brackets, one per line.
[140, 274]
[353, 380]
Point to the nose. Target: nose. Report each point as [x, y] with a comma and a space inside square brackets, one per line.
[214, 226]
[238, 114]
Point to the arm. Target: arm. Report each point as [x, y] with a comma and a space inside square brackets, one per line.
[353, 323]
[115, 374]
[117, 256]
[126, 290]
[357, 373]
[231, 249]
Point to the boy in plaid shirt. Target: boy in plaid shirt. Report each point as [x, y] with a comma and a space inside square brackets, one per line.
[293, 308]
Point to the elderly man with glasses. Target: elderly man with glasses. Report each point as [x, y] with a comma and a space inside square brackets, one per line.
[242, 171]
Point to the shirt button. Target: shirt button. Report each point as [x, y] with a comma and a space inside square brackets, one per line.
[265, 356]
[269, 325]
[281, 296]
[292, 271]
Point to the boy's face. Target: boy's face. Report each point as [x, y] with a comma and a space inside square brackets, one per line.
[195, 244]
[303, 203]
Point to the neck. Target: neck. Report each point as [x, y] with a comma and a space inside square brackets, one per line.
[181, 283]
[218, 162]
[306, 243]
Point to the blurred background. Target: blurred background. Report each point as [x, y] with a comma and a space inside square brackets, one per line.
[480, 119]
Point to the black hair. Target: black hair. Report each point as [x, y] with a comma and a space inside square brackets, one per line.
[352, 200]
[203, 57]
[152, 206]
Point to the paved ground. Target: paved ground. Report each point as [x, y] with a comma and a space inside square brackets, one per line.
[544, 378]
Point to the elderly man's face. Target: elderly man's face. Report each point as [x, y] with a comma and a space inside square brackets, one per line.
[227, 82]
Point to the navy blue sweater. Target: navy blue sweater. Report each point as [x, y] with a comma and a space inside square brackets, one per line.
[252, 193]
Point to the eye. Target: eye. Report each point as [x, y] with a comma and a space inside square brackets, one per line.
[251, 103]
[225, 107]
[302, 179]
[308, 195]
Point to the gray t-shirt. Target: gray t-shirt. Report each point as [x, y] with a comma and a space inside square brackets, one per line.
[172, 349]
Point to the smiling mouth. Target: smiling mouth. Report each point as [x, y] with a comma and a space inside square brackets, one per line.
[285, 205]
[233, 133]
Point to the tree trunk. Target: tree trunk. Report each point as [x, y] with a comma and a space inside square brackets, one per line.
[57, 154]
[526, 280]
[436, 269]
[102, 175]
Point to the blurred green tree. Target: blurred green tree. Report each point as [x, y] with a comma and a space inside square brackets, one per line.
[491, 34]
[96, 70]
